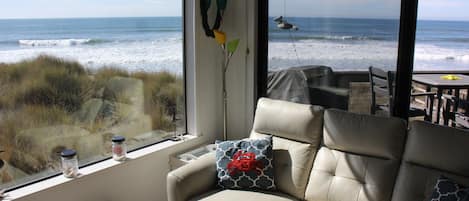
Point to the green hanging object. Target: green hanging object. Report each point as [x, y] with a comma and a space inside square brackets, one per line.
[232, 46]
[221, 4]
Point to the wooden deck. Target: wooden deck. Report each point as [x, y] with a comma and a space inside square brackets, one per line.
[360, 101]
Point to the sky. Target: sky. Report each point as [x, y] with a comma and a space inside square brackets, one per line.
[88, 8]
[428, 9]
[387, 9]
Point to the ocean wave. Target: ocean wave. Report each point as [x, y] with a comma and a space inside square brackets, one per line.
[443, 39]
[60, 42]
[433, 52]
[329, 38]
[442, 56]
[359, 38]
[165, 55]
[358, 56]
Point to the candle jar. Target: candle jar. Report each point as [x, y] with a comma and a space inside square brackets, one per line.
[69, 163]
[119, 149]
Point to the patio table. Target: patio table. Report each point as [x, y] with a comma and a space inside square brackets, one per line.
[436, 81]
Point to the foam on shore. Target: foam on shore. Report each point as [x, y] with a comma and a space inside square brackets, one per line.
[56, 42]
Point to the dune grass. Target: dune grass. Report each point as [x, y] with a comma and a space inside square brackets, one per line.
[48, 90]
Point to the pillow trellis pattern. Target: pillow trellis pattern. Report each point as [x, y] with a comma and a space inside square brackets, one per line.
[245, 164]
[447, 190]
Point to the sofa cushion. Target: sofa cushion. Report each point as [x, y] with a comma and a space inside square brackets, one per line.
[293, 121]
[364, 134]
[237, 195]
[297, 131]
[431, 151]
[357, 162]
[292, 161]
[245, 164]
[447, 190]
[438, 147]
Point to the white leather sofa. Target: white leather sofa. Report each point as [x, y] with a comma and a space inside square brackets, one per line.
[334, 155]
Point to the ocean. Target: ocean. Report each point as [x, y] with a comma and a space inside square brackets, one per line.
[155, 43]
[356, 44]
[136, 44]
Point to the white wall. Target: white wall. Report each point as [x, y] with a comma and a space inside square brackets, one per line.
[240, 22]
[141, 179]
[144, 179]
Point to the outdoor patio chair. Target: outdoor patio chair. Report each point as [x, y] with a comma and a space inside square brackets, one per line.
[456, 110]
[382, 85]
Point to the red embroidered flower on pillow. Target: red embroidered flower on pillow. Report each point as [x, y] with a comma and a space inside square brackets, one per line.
[245, 164]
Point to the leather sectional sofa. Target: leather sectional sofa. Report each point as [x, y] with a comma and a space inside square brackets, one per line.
[334, 155]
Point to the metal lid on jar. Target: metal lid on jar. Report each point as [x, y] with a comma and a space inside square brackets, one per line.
[118, 138]
[68, 153]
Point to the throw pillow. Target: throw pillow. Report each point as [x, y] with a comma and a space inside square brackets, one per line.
[245, 164]
[448, 190]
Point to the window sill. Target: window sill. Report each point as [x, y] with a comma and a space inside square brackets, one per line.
[90, 170]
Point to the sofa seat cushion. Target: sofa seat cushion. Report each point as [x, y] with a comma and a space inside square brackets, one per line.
[239, 195]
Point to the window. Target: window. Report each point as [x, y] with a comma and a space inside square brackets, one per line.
[442, 49]
[319, 52]
[73, 74]
[442, 39]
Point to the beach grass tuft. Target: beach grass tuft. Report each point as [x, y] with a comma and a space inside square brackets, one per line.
[47, 91]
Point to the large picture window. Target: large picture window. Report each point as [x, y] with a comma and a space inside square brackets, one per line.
[319, 52]
[74, 74]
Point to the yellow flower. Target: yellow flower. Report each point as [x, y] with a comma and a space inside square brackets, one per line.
[220, 37]
[450, 77]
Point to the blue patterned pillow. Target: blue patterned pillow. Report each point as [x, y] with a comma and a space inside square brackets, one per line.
[447, 190]
[245, 164]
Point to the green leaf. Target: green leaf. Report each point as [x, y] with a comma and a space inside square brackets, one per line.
[233, 45]
[221, 4]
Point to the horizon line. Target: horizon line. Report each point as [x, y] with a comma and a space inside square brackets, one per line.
[374, 18]
[104, 17]
[91, 17]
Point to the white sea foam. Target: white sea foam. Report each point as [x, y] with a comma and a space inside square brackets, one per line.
[166, 54]
[58, 42]
[433, 52]
[433, 57]
[150, 56]
[339, 38]
[361, 55]
[340, 56]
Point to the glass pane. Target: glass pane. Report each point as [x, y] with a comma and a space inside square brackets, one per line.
[77, 73]
[442, 56]
[320, 51]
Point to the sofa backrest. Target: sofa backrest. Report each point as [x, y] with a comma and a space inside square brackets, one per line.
[431, 151]
[359, 160]
[297, 131]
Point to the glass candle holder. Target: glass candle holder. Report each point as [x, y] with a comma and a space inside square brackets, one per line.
[69, 163]
[119, 149]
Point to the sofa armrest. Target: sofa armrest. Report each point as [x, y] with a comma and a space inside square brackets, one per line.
[195, 178]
